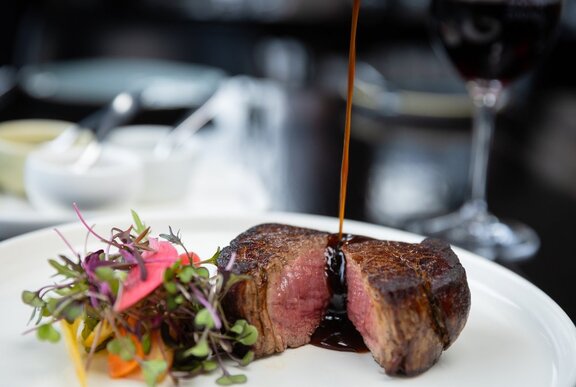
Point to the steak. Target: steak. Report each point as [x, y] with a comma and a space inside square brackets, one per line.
[287, 294]
[409, 301]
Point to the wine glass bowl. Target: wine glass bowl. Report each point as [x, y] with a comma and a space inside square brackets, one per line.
[491, 43]
[494, 39]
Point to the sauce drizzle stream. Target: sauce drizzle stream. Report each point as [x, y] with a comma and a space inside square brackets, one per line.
[348, 122]
[336, 331]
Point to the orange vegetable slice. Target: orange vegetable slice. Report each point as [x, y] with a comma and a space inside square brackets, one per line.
[119, 368]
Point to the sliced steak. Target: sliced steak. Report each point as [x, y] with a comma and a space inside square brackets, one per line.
[408, 301]
[288, 293]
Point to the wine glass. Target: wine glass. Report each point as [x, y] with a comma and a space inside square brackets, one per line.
[491, 43]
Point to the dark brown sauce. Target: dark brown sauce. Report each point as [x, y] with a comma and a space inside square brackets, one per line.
[336, 331]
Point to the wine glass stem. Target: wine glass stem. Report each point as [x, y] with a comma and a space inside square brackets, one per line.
[485, 96]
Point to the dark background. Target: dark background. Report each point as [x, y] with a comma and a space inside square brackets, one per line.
[533, 170]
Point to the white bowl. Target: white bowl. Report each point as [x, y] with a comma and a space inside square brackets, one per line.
[165, 179]
[17, 139]
[52, 185]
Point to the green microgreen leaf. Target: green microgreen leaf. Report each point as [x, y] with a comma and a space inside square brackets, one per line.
[89, 325]
[146, 342]
[201, 349]
[170, 272]
[209, 365]
[51, 305]
[202, 272]
[171, 287]
[227, 380]
[72, 311]
[32, 299]
[247, 359]
[105, 273]
[191, 366]
[34, 312]
[65, 292]
[152, 370]
[171, 303]
[139, 226]
[62, 269]
[203, 319]
[233, 280]
[186, 275]
[172, 238]
[47, 332]
[214, 257]
[249, 336]
[115, 285]
[239, 326]
[73, 265]
[122, 347]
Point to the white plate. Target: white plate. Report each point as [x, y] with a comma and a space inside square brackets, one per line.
[515, 336]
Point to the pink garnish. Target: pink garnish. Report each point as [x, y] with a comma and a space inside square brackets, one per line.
[134, 289]
[190, 259]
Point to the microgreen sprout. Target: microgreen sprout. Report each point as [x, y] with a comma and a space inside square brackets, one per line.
[147, 305]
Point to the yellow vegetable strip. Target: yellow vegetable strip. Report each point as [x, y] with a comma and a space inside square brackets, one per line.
[69, 332]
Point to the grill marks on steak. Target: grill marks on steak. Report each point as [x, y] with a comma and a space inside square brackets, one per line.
[408, 301]
[288, 293]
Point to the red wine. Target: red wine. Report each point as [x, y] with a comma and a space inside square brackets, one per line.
[495, 39]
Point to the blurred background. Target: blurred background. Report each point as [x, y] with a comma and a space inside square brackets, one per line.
[411, 123]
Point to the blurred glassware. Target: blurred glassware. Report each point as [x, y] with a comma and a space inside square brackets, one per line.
[114, 181]
[167, 178]
[418, 146]
[409, 124]
[284, 60]
[491, 44]
[192, 123]
[240, 164]
[67, 165]
[19, 138]
[120, 110]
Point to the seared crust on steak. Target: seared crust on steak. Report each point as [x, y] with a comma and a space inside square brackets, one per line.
[280, 259]
[409, 301]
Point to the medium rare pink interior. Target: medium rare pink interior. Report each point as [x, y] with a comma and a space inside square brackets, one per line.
[298, 297]
[359, 307]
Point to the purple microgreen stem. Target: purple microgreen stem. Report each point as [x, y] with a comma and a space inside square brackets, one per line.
[67, 243]
[201, 299]
[230, 263]
[91, 229]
